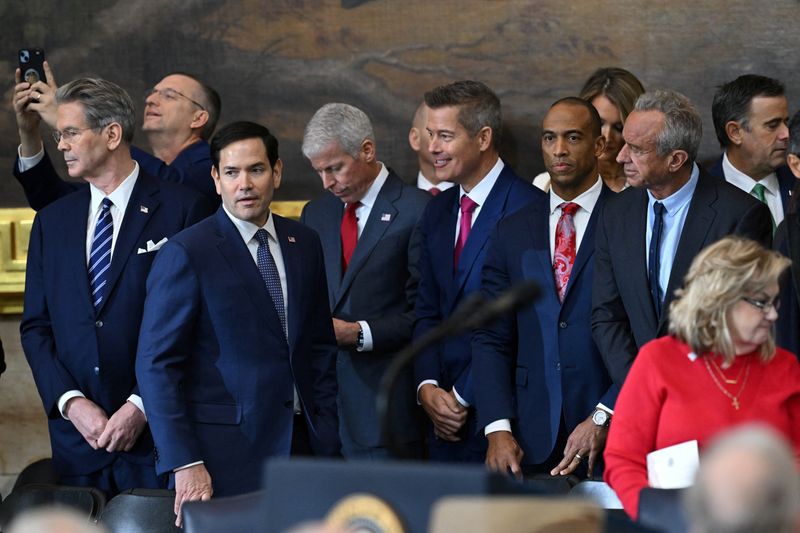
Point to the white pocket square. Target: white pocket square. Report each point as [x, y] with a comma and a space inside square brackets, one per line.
[152, 246]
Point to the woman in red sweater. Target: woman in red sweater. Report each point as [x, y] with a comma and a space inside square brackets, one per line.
[718, 368]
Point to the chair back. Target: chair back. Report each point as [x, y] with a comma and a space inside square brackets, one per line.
[85, 500]
[243, 513]
[141, 511]
[662, 510]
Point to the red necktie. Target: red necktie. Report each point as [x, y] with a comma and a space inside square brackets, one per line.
[564, 254]
[465, 225]
[434, 191]
[349, 233]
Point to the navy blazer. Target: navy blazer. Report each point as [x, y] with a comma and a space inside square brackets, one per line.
[787, 242]
[540, 363]
[441, 289]
[379, 286]
[192, 168]
[216, 372]
[68, 345]
[786, 181]
[623, 315]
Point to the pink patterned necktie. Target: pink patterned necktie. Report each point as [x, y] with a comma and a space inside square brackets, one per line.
[468, 206]
[564, 254]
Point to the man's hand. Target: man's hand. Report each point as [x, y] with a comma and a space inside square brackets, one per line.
[88, 418]
[444, 411]
[191, 484]
[45, 103]
[123, 429]
[587, 440]
[504, 453]
[346, 332]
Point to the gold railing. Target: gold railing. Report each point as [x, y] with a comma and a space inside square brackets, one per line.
[15, 231]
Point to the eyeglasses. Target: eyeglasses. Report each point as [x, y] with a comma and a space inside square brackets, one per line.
[765, 306]
[69, 134]
[172, 95]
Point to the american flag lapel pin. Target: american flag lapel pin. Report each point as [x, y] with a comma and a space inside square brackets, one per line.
[144, 209]
[291, 239]
[386, 217]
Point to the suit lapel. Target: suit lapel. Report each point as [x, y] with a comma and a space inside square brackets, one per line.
[634, 237]
[539, 230]
[294, 266]
[243, 268]
[332, 246]
[142, 206]
[74, 246]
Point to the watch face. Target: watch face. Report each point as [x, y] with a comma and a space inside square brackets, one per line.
[600, 417]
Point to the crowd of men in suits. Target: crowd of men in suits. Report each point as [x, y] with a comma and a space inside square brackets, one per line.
[178, 341]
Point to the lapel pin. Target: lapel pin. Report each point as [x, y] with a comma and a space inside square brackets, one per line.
[386, 217]
[290, 238]
[144, 209]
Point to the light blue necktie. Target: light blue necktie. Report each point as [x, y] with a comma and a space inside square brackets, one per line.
[100, 254]
[269, 272]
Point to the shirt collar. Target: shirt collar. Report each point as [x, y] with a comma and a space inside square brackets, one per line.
[481, 191]
[585, 200]
[119, 196]
[372, 193]
[679, 198]
[745, 182]
[248, 230]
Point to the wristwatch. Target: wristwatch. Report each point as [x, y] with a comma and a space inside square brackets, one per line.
[360, 341]
[601, 418]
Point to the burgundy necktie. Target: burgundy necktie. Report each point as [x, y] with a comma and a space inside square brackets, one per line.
[565, 248]
[468, 207]
[349, 233]
[434, 191]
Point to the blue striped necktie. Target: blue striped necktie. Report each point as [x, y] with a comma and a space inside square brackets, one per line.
[100, 254]
[269, 272]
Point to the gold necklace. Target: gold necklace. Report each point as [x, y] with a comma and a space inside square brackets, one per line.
[722, 374]
[734, 399]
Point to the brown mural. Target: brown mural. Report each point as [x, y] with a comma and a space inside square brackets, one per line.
[277, 61]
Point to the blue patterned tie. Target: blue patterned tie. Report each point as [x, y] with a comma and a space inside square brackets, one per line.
[100, 254]
[654, 263]
[269, 272]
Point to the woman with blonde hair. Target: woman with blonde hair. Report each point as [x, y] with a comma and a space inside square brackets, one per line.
[718, 368]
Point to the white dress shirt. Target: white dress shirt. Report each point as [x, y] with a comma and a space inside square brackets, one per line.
[425, 184]
[772, 194]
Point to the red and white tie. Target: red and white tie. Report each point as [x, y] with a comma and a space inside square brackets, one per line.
[565, 249]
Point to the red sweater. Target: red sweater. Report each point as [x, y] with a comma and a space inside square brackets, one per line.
[667, 399]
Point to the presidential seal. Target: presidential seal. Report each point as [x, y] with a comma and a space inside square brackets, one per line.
[365, 513]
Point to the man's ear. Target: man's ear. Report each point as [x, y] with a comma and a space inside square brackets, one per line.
[793, 161]
[735, 132]
[199, 119]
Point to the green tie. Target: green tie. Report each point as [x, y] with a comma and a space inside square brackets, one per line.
[758, 191]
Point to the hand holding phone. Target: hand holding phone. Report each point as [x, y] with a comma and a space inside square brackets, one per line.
[31, 65]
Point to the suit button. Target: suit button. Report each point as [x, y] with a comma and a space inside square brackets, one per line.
[99, 323]
[288, 404]
[562, 325]
[558, 366]
[97, 371]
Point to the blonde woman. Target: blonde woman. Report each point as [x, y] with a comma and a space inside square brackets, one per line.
[718, 368]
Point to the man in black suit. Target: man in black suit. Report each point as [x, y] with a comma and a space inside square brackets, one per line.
[648, 236]
[750, 119]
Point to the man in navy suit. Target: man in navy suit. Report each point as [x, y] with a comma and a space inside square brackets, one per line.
[372, 273]
[751, 117]
[647, 237]
[463, 126]
[89, 255]
[180, 115]
[236, 357]
[543, 392]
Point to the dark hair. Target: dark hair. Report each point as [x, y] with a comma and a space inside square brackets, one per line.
[794, 134]
[240, 131]
[478, 106]
[597, 124]
[617, 84]
[211, 102]
[732, 101]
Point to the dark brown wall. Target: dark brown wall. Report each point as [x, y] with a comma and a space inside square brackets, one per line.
[278, 61]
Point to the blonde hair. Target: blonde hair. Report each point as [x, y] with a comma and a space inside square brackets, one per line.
[620, 86]
[719, 277]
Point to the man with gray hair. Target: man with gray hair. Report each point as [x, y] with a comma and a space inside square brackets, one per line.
[366, 225]
[747, 483]
[89, 256]
[648, 236]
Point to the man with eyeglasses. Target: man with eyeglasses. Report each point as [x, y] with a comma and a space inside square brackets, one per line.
[180, 115]
[89, 256]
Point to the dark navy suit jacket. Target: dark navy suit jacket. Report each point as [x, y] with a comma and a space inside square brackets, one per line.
[441, 289]
[786, 181]
[69, 345]
[623, 315]
[216, 372]
[534, 365]
[380, 287]
[192, 168]
[787, 242]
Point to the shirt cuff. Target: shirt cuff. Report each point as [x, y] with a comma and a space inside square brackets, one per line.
[187, 466]
[425, 382]
[67, 396]
[498, 425]
[460, 400]
[367, 336]
[136, 400]
[27, 163]
[606, 409]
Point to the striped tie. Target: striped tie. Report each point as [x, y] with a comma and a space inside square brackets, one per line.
[100, 255]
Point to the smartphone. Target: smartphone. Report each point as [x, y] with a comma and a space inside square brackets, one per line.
[31, 65]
